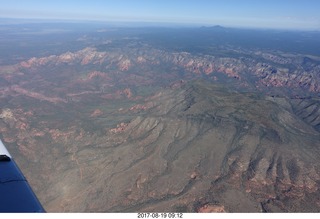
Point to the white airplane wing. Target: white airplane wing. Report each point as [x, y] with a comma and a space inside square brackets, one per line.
[16, 193]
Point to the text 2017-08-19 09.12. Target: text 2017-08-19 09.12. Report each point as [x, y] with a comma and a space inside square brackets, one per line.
[160, 215]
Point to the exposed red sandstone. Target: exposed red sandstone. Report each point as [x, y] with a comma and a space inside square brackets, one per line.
[141, 106]
[127, 92]
[120, 128]
[232, 67]
[124, 64]
[209, 208]
[119, 94]
[36, 95]
[96, 113]
[97, 74]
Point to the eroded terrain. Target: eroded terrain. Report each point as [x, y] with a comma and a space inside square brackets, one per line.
[130, 128]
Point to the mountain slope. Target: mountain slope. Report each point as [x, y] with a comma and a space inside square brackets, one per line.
[200, 147]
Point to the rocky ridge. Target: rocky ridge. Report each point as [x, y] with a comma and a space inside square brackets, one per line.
[272, 71]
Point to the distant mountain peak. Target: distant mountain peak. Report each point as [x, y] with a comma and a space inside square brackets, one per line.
[213, 27]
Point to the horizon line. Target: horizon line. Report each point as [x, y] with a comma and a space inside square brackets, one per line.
[20, 20]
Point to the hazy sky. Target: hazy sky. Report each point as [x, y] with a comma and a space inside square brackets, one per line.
[289, 14]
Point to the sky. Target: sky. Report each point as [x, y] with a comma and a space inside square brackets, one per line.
[278, 14]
